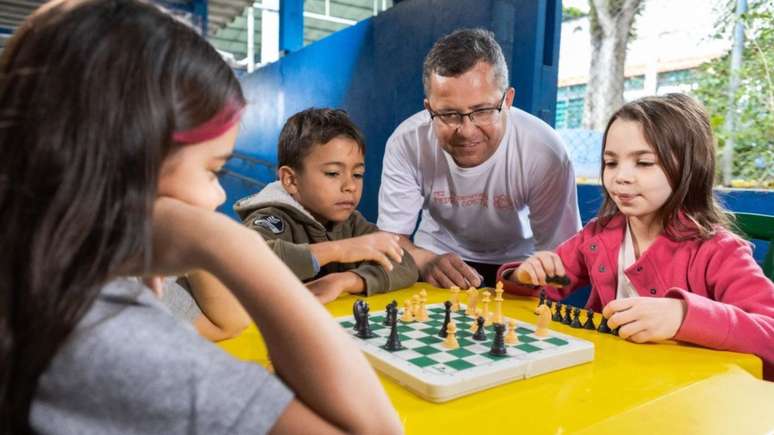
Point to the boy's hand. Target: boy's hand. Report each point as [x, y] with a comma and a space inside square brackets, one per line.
[379, 247]
[644, 319]
[330, 286]
[537, 268]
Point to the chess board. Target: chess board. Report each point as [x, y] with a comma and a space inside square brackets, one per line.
[439, 374]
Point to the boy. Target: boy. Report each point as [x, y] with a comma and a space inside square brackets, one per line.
[308, 216]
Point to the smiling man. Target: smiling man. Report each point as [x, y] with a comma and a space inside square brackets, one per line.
[492, 182]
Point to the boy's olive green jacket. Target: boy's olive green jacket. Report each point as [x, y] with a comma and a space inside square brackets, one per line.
[289, 229]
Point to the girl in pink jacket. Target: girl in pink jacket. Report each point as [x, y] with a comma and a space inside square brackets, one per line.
[659, 257]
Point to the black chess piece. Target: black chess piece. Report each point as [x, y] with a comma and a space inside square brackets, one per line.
[387, 319]
[498, 343]
[549, 304]
[480, 334]
[557, 316]
[576, 318]
[542, 298]
[558, 280]
[446, 318]
[361, 320]
[589, 320]
[567, 319]
[393, 341]
[603, 328]
[615, 331]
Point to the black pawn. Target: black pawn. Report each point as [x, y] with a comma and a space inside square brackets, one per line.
[446, 318]
[542, 298]
[603, 328]
[549, 304]
[498, 343]
[615, 331]
[589, 320]
[557, 316]
[567, 319]
[576, 318]
[480, 334]
[393, 341]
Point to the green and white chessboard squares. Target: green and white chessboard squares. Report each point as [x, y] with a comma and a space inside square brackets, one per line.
[424, 349]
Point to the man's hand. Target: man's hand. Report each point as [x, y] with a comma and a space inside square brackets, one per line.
[447, 270]
[379, 247]
[330, 286]
[644, 319]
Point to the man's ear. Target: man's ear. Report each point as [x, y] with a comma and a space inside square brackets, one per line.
[427, 104]
[510, 95]
[287, 176]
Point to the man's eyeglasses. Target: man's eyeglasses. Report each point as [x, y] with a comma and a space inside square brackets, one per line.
[479, 117]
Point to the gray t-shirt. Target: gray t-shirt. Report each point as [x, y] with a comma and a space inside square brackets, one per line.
[131, 368]
[179, 300]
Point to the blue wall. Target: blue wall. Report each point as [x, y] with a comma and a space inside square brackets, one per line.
[373, 71]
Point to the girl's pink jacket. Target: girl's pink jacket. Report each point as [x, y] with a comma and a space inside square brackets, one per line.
[730, 302]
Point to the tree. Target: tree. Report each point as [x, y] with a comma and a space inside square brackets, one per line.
[611, 27]
[754, 132]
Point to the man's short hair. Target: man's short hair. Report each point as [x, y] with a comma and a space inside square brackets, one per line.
[311, 127]
[459, 51]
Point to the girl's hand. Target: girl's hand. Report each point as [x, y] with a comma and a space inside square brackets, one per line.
[644, 319]
[537, 268]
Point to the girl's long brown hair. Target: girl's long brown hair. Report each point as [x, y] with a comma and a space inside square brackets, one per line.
[678, 129]
[90, 94]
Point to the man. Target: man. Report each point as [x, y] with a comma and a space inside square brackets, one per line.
[493, 182]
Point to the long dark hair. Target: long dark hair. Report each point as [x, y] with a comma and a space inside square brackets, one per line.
[90, 94]
[678, 129]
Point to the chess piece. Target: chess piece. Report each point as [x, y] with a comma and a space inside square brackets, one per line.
[575, 318]
[475, 316]
[408, 315]
[498, 343]
[603, 328]
[589, 320]
[387, 320]
[542, 297]
[544, 318]
[557, 317]
[423, 316]
[511, 337]
[455, 292]
[567, 319]
[615, 331]
[498, 314]
[558, 281]
[550, 304]
[480, 334]
[393, 340]
[446, 319]
[472, 293]
[415, 306]
[486, 313]
[361, 320]
[451, 336]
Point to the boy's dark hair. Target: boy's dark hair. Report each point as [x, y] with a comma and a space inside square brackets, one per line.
[678, 129]
[311, 127]
[91, 92]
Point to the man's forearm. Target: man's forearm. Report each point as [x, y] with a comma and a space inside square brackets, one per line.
[422, 257]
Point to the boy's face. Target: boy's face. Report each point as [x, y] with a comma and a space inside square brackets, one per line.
[190, 173]
[331, 181]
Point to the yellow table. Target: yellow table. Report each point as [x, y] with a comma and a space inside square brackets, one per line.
[628, 389]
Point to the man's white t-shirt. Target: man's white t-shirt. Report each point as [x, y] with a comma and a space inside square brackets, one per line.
[522, 199]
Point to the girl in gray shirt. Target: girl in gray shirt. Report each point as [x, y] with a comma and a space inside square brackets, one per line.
[115, 121]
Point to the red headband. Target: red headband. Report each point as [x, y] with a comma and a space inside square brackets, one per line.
[212, 128]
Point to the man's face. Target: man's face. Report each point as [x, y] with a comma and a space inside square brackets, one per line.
[469, 144]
